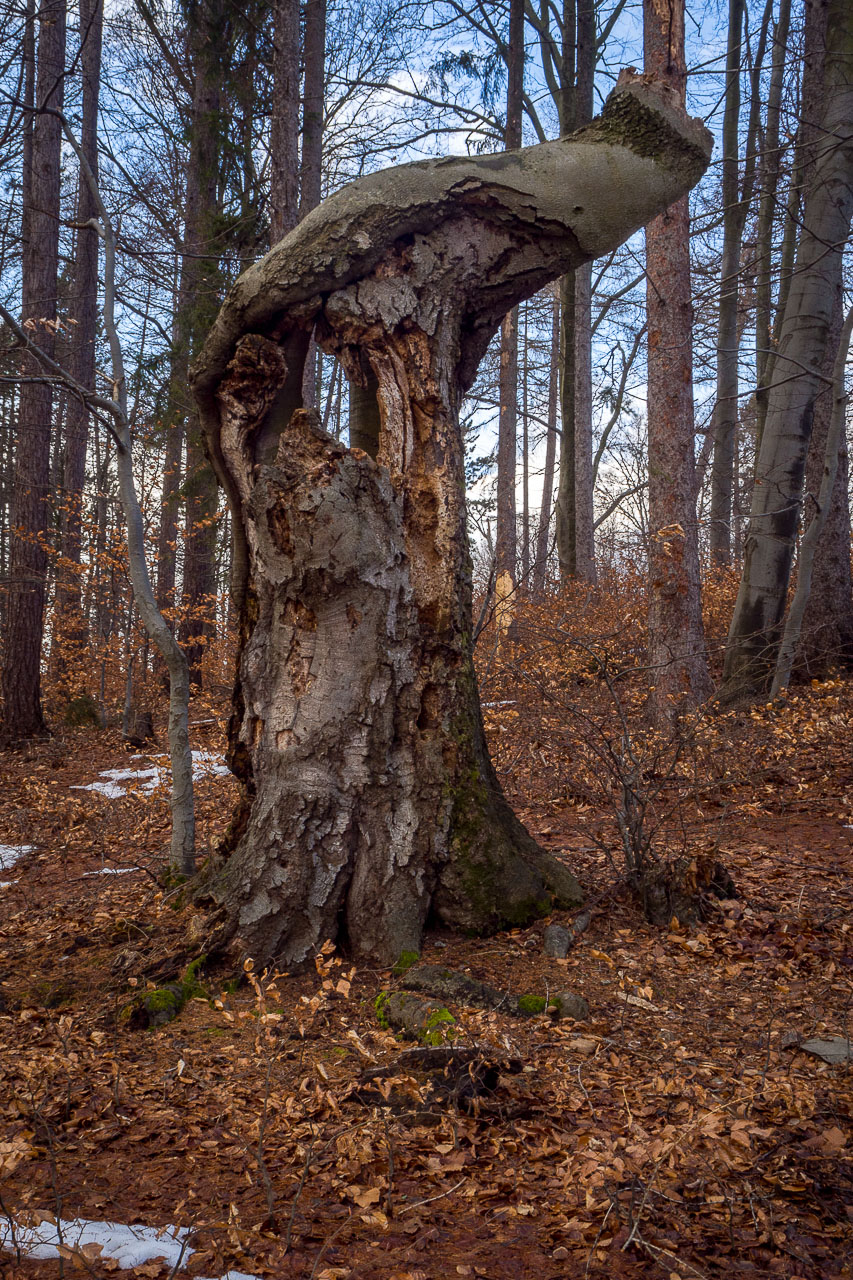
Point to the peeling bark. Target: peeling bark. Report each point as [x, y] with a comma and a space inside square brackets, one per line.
[370, 803]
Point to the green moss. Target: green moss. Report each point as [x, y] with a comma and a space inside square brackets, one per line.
[407, 959]
[517, 914]
[530, 1005]
[625, 122]
[379, 1006]
[171, 878]
[189, 980]
[434, 1032]
[155, 1008]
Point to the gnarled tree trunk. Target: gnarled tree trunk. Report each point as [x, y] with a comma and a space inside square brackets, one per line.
[370, 802]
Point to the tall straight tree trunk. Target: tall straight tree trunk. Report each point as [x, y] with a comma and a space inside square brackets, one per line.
[284, 126]
[826, 632]
[679, 672]
[22, 639]
[737, 197]
[83, 310]
[770, 165]
[755, 630]
[543, 530]
[584, 539]
[525, 460]
[724, 424]
[313, 108]
[170, 490]
[200, 282]
[566, 513]
[540, 564]
[311, 166]
[505, 524]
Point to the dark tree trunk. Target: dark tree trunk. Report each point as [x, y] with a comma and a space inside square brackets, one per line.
[313, 107]
[770, 164]
[798, 382]
[170, 497]
[284, 126]
[679, 672]
[584, 532]
[84, 311]
[22, 637]
[575, 521]
[724, 424]
[200, 294]
[370, 802]
[826, 637]
[311, 165]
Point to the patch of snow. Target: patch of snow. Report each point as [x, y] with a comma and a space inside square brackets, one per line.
[233, 1275]
[112, 871]
[206, 764]
[128, 1246]
[5, 884]
[10, 853]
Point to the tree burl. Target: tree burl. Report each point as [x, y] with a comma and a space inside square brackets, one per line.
[370, 805]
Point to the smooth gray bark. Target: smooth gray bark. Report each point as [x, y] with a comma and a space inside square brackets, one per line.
[812, 536]
[756, 627]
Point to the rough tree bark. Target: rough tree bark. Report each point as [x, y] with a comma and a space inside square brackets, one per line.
[284, 125]
[311, 160]
[200, 294]
[676, 640]
[370, 803]
[24, 623]
[575, 518]
[756, 626]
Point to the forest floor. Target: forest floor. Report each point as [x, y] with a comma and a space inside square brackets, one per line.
[680, 1131]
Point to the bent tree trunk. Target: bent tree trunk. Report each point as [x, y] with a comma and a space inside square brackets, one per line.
[370, 803]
